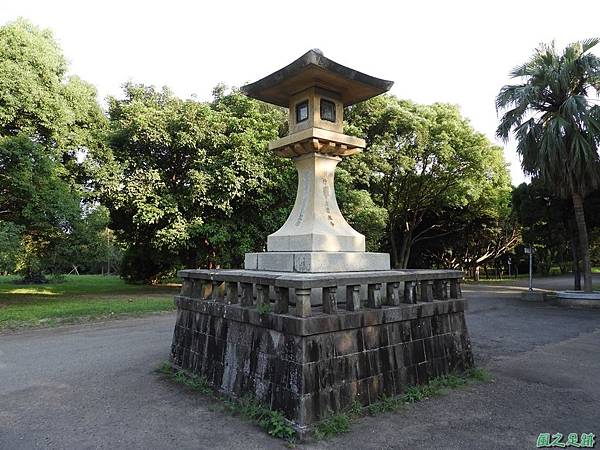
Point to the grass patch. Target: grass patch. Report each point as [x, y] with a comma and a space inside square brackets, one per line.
[193, 382]
[264, 308]
[76, 299]
[333, 425]
[479, 374]
[271, 421]
[342, 421]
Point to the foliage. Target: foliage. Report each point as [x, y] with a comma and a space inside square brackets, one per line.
[48, 122]
[468, 237]
[421, 160]
[264, 308]
[189, 183]
[479, 374]
[40, 100]
[166, 368]
[273, 422]
[194, 382]
[333, 425]
[193, 176]
[36, 200]
[10, 244]
[556, 125]
[43, 225]
[361, 212]
[90, 246]
[547, 224]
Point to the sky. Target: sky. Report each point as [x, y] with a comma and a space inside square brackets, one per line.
[455, 51]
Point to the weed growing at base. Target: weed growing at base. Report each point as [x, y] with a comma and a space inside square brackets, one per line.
[275, 424]
[271, 421]
[264, 308]
[342, 421]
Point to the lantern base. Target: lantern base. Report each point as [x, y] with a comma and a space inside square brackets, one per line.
[310, 362]
[311, 262]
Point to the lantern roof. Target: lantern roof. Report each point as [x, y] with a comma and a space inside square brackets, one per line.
[313, 69]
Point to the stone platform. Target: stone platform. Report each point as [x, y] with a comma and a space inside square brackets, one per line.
[307, 361]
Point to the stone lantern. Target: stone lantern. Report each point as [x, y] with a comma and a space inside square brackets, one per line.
[316, 237]
[315, 324]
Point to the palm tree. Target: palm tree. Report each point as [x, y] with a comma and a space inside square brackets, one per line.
[557, 126]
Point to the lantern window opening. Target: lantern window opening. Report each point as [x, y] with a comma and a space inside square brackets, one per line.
[328, 110]
[302, 111]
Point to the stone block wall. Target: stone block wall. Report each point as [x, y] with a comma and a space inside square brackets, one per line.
[310, 367]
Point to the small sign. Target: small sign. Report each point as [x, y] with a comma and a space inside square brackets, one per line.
[527, 250]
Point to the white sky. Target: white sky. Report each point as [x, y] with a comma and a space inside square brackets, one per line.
[448, 51]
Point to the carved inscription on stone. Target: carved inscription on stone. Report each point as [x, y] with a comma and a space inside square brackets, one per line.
[304, 199]
[327, 195]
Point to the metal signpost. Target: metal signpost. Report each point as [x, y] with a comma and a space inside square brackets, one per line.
[529, 250]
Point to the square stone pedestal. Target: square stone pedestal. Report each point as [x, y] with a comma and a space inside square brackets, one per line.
[309, 362]
[317, 262]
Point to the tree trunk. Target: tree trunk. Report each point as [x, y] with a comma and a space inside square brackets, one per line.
[406, 257]
[576, 271]
[583, 242]
[394, 247]
[405, 249]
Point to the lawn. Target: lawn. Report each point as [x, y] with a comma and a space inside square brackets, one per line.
[78, 298]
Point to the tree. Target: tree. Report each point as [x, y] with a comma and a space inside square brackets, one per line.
[546, 221]
[34, 200]
[89, 247]
[10, 244]
[362, 213]
[549, 225]
[468, 237]
[49, 122]
[419, 161]
[556, 127]
[39, 99]
[197, 185]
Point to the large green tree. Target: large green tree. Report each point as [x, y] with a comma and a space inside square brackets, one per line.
[10, 244]
[556, 126]
[481, 233]
[197, 185]
[40, 99]
[35, 200]
[49, 122]
[546, 221]
[89, 247]
[421, 160]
